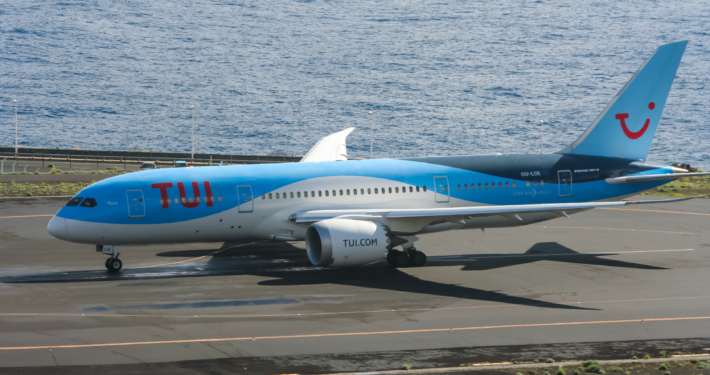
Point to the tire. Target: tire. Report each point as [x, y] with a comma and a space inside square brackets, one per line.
[401, 259]
[115, 265]
[107, 262]
[391, 257]
[418, 259]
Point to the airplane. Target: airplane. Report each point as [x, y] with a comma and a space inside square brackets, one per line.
[358, 212]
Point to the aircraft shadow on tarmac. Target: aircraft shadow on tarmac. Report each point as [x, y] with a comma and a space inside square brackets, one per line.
[288, 265]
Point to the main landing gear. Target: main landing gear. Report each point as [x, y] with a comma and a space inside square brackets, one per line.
[114, 264]
[408, 258]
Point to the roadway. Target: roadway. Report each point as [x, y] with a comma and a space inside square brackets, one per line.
[637, 273]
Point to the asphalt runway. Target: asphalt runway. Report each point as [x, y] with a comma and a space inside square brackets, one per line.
[637, 273]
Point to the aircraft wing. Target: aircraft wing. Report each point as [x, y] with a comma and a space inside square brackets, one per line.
[652, 177]
[411, 218]
[329, 148]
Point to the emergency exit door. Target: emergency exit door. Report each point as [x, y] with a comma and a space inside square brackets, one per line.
[246, 200]
[565, 181]
[136, 203]
[441, 189]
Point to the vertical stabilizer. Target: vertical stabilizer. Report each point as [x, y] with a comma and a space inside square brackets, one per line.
[626, 127]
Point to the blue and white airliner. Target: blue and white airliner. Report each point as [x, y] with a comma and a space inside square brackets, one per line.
[356, 212]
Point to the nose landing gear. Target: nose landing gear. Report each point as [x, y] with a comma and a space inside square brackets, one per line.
[408, 258]
[114, 264]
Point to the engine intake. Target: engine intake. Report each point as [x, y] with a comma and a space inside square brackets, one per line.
[346, 243]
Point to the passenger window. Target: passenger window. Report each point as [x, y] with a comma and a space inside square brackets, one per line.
[347, 191]
[74, 201]
[313, 194]
[191, 199]
[354, 191]
[417, 189]
[89, 202]
[219, 198]
[500, 185]
[291, 194]
[277, 195]
[362, 191]
[270, 196]
[298, 194]
[390, 190]
[369, 191]
[263, 196]
[513, 184]
[411, 189]
[459, 186]
[404, 189]
[479, 186]
[486, 185]
[542, 183]
[396, 189]
[320, 193]
[341, 192]
[375, 190]
[534, 183]
[465, 186]
[326, 193]
[424, 188]
[527, 183]
[507, 185]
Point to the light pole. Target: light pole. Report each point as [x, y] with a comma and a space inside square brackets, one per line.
[370, 134]
[193, 133]
[542, 138]
[15, 128]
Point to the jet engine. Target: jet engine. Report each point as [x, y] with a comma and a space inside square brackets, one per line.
[346, 243]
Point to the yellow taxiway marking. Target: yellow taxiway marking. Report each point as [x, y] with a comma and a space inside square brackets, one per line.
[638, 209]
[345, 334]
[621, 229]
[230, 316]
[14, 217]
[198, 258]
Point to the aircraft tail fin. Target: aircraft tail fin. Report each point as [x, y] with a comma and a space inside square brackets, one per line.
[626, 127]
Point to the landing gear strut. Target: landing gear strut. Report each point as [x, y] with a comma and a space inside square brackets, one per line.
[114, 264]
[408, 258]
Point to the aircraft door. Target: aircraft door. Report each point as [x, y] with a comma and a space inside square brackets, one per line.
[565, 181]
[136, 203]
[441, 189]
[245, 197]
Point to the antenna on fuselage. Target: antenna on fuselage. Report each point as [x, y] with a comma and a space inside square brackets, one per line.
[542, 137]
[371, 134]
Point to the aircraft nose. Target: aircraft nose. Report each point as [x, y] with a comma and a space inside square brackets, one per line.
[57, 227]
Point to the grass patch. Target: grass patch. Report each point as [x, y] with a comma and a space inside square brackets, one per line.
[685, 187]
[29, 189]
[406, 367]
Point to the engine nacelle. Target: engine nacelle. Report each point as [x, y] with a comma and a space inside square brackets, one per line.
[345, 243]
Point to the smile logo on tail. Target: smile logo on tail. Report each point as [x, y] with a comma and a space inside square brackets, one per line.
[634, 135]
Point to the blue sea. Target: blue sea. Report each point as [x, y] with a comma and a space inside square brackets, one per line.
[269, 77]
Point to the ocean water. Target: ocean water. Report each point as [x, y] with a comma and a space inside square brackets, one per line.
[441, 77]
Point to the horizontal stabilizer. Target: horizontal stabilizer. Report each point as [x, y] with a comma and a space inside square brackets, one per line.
[652, 177]
[329, 148]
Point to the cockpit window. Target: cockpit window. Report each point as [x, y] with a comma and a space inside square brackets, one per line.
[74, 201]
[89, 202]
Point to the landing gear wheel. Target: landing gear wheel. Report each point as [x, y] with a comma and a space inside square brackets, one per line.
[417, 259]
[106, 263]
[398, 258]
[114, 264]
[391, 258]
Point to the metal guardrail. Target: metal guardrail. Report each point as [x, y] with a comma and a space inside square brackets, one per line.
[132, 157]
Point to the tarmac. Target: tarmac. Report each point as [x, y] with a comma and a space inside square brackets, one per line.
[621, 278]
